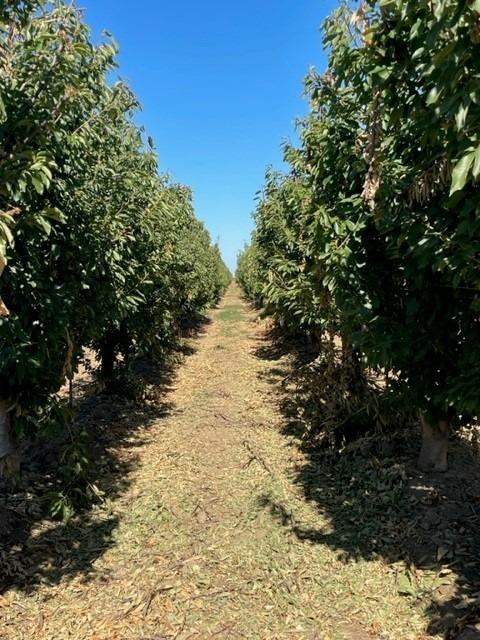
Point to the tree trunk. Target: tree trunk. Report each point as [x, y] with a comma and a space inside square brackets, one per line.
[124, 341]
[108, 356]
[433, 454]
[6, 446]
[355, 370]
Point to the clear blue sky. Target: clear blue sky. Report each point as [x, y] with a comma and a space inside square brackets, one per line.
[221, 85]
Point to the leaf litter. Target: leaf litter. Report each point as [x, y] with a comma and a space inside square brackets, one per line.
[201, 541]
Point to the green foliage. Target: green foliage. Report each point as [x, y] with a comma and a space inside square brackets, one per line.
[248, 272]
[100, 250]
[77, 488]
[374, 234]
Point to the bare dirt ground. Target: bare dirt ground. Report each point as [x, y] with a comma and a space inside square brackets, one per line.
[205, 533]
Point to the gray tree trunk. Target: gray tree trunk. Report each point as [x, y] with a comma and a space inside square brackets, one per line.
[433, 454]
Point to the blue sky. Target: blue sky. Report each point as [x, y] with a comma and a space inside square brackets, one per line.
[221, 86]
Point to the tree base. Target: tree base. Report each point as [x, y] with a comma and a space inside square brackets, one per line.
[6, 446]
[9, 463]
[434, 452]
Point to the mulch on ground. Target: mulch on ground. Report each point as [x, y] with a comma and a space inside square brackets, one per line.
[209, 529]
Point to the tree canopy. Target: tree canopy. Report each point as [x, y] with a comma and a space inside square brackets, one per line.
[96, 248]
[374, 233]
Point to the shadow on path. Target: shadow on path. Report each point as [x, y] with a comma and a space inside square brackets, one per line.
[427, 526]
[34, 549]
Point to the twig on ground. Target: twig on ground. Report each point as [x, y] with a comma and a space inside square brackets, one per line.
[255, 456]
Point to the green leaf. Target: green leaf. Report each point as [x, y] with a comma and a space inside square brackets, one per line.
[3, 113]
[475, 5]
[433, 96]
[405, 587]
[461, 116]
[419, 52]
[6, 234]
[38, 184]
[461, 171]
[476, 164]
[44, 224]
[54, 214]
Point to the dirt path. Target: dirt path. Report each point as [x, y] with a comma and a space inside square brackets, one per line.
[203, 544]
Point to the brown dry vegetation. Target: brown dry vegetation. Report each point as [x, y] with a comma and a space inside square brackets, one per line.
[219, 525]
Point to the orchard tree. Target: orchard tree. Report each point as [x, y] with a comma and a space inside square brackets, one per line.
[92, 238]
[419, 106]
[248, 273]
[52, 91]
[390, 234]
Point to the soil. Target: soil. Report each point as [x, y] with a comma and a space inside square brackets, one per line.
[210, 528]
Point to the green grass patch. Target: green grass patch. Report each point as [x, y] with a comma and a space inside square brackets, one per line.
[231, 313]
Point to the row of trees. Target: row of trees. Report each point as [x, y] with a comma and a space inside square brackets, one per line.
[373, 235]
[96, 248]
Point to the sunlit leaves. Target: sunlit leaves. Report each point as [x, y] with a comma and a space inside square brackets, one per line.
[461, 171]
[395, 273]
[97, 242]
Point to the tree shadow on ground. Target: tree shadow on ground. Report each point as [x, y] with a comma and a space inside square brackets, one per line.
[381, 507]
[34, 548]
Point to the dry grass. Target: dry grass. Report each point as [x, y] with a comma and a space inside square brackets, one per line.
[202, 541]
